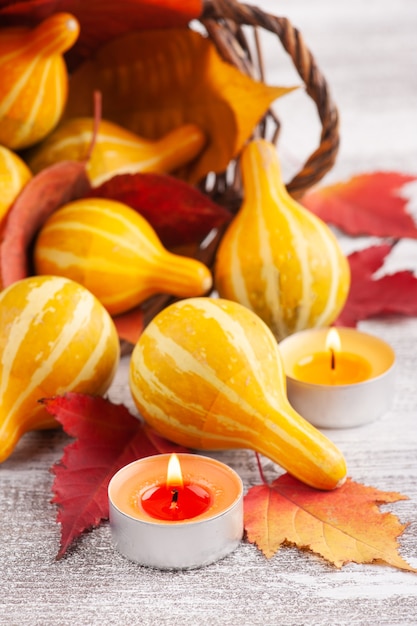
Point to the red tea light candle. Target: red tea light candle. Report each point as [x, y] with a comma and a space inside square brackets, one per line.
[338, 378]
[176, 511]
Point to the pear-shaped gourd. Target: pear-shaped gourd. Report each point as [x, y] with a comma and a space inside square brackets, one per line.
[114, 252]
[277, 258]
[116, 150]
[55, 337]
[14, 174]
[34, 80]
[207, 373]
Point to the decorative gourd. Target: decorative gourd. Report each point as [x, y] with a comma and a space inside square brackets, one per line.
[14, 174]
[277, 258]
[207, 373]
[114, 252]
[55, 337]
[34, 80]
[116, 150]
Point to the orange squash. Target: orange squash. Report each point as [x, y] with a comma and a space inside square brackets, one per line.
[34, 80]
[114, 252]
[207, 374]
[116, 150]
[14, 174]
[277, 258]
[55, 336]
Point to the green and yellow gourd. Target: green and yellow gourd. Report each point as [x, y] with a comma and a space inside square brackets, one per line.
[55, 337]
[34, 79]
[277, 258]
[115, 253]
[206, 373]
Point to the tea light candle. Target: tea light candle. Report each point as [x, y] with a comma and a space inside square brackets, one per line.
[338, 378]
[176, 511]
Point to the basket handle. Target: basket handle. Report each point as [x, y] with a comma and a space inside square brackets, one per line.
[220, 17]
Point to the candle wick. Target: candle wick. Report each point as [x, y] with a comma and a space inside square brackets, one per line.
[333, 359]
[174, 499]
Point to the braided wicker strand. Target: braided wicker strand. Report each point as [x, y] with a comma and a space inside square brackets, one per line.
[223, 19]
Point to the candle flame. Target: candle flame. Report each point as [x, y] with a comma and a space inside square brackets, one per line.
[333, 342]
[174, 473]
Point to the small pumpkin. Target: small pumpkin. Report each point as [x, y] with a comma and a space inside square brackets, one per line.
[55, 336]
[116, 150]
[34, 79]
[277, 258]
[206, 373]
[115, 253]
[14, 174]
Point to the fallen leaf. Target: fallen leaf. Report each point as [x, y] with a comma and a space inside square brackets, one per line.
[130, 325]
[368, 204]
[344, 525]
[108, 437]
[369, 296]
[154, 81]
[101, 20]
[41, 196]
[179, 213]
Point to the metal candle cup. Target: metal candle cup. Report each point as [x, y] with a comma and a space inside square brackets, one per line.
[169, 543]
[340, 405]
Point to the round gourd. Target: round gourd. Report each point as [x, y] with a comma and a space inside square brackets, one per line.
[116, 150]
[14, 174]
[207, 373]
[114, 252]
[277, 258]
[34, 79]
[55, 337]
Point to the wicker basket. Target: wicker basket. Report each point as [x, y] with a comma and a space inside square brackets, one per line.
[224, 21]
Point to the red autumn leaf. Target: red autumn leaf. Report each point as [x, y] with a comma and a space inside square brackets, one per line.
[179, 213]
[130, 325]
[107, 438]
[369, 296]
[44, 193]
[368, 204]
[343, 525]
[102, 20]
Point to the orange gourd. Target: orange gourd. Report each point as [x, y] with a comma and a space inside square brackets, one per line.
[34, 80]
[114, 252]
[55, 336]
[207, 373]
[277, 258]
[14, 174]
[116, 150]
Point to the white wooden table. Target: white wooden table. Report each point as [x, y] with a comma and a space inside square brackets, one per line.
[368, 52]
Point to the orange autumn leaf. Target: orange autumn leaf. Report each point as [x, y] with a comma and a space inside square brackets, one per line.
[344, 525]
[154, 81]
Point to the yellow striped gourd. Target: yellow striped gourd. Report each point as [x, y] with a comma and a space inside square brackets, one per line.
[277, 258]
[114, 252]
[55, 337]
[116, 150]
[14, 174]
[207, 373]
[34, 80]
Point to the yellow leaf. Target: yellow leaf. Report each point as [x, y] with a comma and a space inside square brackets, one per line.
[154, 81]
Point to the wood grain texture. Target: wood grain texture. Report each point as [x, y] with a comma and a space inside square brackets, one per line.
[368, 52]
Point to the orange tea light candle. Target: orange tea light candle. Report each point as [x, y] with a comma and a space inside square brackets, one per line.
[337, 378]
[176, 511]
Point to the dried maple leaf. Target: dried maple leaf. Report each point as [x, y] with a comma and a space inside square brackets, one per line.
[107, 438]
[370, 296]
[41, 196]
[179, 213]
[154, 81]
[343, 525]
[102, 20]
[371, 204]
